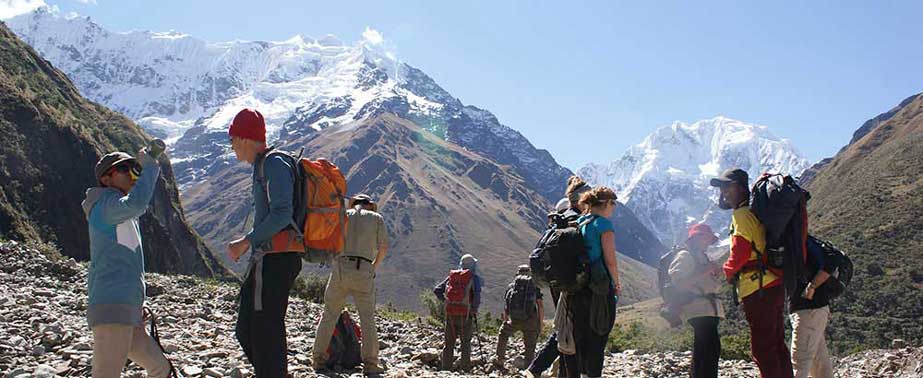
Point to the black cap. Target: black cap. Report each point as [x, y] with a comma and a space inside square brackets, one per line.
[732, 176]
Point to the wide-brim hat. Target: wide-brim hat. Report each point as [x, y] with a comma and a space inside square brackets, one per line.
[363, 198]
[702, 229]
[110, 160]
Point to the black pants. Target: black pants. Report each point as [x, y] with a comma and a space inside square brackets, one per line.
[706, 347]
[591, 346]
[549, 351]
[262, 333]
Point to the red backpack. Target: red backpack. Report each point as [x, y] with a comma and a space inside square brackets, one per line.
[458, 292]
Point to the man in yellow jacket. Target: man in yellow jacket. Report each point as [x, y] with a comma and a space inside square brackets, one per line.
[759, 288]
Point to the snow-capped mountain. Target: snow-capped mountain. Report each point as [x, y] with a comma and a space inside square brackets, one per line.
[187, 90]
[664, 179]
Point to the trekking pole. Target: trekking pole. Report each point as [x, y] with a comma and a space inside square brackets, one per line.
[477, 329]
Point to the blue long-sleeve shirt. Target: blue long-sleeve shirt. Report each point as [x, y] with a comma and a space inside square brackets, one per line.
[274, 212]
[115, 282]
[439, 290]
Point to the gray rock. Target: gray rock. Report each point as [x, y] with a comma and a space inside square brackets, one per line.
[18, 372]
[170, 348]
[192, 370]
[44, 371]
[240, 373]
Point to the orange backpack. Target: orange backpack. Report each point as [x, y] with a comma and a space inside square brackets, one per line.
[319, 206]
[324, 206]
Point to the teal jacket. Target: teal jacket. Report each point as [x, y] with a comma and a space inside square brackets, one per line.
[116, 277]
[272, 212]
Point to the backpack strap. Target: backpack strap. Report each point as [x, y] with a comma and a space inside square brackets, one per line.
[261, 175]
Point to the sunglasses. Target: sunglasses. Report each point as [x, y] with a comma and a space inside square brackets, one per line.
[133, 170]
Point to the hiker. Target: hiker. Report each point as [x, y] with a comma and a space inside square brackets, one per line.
[353, 274]
[116, 311]
[699, 279]
[759, 289]
[275, 259]
[461, 293]
[809, 313]
[523, 312]
[569, 208]
[592, 309]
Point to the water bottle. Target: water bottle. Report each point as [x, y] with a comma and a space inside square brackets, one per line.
[156, 147]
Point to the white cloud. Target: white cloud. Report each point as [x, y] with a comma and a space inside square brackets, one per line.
[13, 8]
[372, 36]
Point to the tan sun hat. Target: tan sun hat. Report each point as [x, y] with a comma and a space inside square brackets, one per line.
[363, 198]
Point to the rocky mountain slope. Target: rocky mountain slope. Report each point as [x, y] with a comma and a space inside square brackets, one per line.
[43, 332]
[868, 200]
[664, 179]
[52, 137]
[439, 202]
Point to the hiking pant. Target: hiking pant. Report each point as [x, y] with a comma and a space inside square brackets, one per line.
[765, 314]
[591, 346]
[706, 346]
[262, 333]
[353, 277]
[530, 329]
[113, 344]
[809, 346]
[458, 326]
[549, 351]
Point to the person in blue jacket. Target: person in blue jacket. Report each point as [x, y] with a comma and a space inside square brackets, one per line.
[276, 250]
[115, 282]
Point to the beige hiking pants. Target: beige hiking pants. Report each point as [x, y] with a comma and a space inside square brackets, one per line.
[356, 278]
[809, 345]
[114, 343]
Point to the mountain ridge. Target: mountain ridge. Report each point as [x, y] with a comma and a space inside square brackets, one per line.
[53, 138]
[664, 179]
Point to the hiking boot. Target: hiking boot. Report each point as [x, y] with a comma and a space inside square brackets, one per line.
[529, 374]
[372, 369]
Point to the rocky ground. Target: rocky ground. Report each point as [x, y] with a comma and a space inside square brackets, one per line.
[43, 332]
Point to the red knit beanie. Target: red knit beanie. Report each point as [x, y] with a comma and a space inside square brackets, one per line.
[248, 124]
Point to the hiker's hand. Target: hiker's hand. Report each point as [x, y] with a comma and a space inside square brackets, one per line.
[145, 158]
[808, 292]
[237, 248]
[618, 288]
[145, 313]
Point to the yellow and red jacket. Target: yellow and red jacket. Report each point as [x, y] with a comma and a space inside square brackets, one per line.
[746, 233]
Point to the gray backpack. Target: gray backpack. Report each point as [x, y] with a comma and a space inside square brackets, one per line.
[521, 298]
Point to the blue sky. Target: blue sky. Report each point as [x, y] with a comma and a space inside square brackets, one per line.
[586, 80]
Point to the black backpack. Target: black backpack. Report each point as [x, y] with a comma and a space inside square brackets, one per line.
[521, 298]
[828, 254]
[559, 259]
[781, 206]
[345, 348]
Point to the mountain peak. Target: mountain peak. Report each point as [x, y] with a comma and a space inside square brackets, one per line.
[664, 179]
